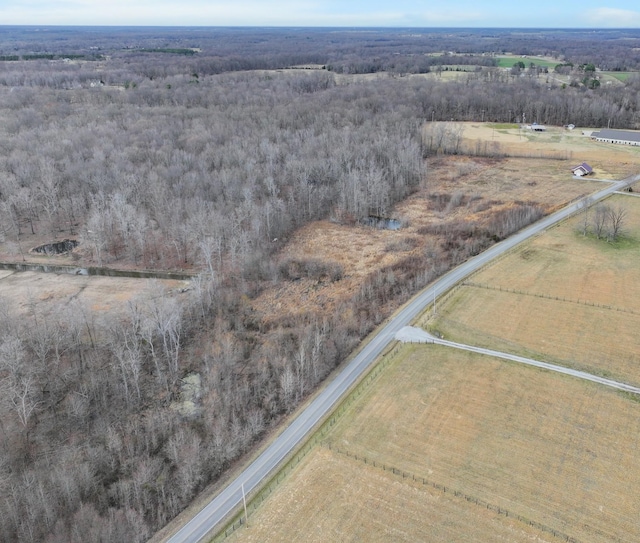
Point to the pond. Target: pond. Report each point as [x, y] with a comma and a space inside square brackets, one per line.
[383, 223]
[57, 247]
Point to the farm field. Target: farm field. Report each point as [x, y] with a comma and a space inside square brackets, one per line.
[620, 76]
[561, 297]
[507, 61]
[539, 447]
[332, 497]
[571, 146]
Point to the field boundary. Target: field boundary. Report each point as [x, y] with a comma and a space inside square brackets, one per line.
[548, 297]
[457, 493]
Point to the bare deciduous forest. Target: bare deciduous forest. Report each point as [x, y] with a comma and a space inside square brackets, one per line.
[194, 149]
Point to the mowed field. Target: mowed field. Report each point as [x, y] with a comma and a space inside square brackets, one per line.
[562, 297]
[524, 455]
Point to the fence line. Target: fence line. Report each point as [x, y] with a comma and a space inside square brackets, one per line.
[444, 489]
[549, 297]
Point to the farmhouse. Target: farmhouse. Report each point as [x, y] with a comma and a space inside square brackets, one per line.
[582, 169]
[623, 137]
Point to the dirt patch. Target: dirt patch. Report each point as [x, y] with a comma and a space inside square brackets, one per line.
[20, 290]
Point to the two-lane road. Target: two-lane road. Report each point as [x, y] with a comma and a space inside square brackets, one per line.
[231, 497]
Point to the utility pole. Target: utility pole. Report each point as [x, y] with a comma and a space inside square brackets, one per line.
[434, 302]
[244, 502]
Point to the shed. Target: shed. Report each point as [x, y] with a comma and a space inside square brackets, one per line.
[582, 169]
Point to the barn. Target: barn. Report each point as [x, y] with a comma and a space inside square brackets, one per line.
[622, 137]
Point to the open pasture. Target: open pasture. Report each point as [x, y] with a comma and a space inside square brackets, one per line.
[620, 76]
[333, 497]
[556, 456]
[609, 161]
[562, 297]
[507, 61]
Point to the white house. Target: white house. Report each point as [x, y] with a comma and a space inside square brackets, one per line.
[582, 169]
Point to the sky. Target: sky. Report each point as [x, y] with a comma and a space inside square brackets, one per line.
[365, 13]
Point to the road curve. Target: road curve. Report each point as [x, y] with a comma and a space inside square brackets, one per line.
[230, 497]
[417, 335]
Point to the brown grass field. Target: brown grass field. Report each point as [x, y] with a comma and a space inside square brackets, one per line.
[537, 446]
[575, 301]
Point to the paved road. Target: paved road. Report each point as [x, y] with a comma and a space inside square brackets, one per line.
[417, 335]
[231, 497]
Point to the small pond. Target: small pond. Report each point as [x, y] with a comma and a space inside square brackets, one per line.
[383, 223]
[57, 247]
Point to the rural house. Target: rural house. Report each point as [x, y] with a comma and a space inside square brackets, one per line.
[582, 169]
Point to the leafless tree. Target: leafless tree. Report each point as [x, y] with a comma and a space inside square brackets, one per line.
[616, 216]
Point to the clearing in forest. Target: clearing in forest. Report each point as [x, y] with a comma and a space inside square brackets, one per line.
[51, 293]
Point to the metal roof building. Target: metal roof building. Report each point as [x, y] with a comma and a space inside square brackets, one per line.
[623, 137]
[582, 169]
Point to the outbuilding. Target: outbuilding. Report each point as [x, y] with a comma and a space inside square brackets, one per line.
[582, 169]
[621, 137]
[536, 127]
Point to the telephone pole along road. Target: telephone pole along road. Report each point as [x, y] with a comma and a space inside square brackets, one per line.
[230, 497]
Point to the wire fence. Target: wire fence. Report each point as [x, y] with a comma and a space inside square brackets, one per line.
[452, 491]
[550, 297]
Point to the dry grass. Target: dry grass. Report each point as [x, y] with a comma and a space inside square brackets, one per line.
[331, 497]
[20, 290]
[552, 449]
[547, 447]
[578, 305]
[609, 161]
[485, 183]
